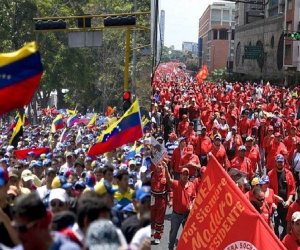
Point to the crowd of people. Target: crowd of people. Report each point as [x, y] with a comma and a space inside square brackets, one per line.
[252, 129]
[55, 196]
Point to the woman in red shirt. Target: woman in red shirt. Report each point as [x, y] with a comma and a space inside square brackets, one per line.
[223, 127]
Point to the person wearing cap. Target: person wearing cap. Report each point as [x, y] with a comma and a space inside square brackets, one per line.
[258, 201]
[171, 144]
[291, 240]
[283, 183]
[184, 194]
[88, 163]
[191, 161]
[37, 169]
[218, 151]
[203, 146]
[27, 179]
[274, 146]
[253, 154]
[161, 196]
[183, 125]
[214, 131]
[124, 194]
[58, 200]
[232, 143]
[243, 163]
[31, 222]
[197, 181]
[69, 165]
[8, 236]
[254, 183]
[44, 191]
[190, 134]
[269, 192]
[176, 156]
[194, 113]
[79, 167]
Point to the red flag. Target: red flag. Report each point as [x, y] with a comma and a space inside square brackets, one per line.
[223, 218]
[22, 154]
[109, 111]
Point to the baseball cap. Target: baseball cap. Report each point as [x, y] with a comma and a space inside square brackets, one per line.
[80, 184]
[173, 135]
[35, 164]
[217, 137]
[90, 180]
[50, 170]
[138, 161]
[264, 179]
[104, 187]
[88, 158]
[60, 182]
[277, 134]
[296, 216]
[249, 138]
[255, 181]
[59, 194]
[102, 234]
[69, 154]
[203, 127]
[159, 138]
[3, 176]
[132, 162]
[184, 170]
[270, 128]
[234, 127]
[27, 175]
[144, 191]
[182, 139]
[13, 173]
[184, 116]
[279, 158]
[242, 148]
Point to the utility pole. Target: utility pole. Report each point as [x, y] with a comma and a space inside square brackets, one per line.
[133, 86]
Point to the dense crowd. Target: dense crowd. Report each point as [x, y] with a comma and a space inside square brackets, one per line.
[55, 196]
[252, 129]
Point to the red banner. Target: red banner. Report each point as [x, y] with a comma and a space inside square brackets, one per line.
[223, 218]
[22, 154]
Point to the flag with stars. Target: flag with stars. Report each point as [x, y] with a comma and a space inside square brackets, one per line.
[20, 75]
[127, 129]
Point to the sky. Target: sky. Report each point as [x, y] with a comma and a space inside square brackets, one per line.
[181, 20]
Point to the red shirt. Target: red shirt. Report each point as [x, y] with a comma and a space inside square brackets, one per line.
[203, 146]
[186, 159]
[182, 127]
[273, 150]
[197, 182]
[294, 207]
[220, 154]
[291, 187]
[244, 126]
[194, 112]
[289, 241]
[175, 160]
[243, 165]
[182, 196]
[254, 156]
[265, 212]
[270, 199]
[159, 184]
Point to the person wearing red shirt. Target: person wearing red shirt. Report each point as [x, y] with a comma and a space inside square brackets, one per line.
[223, 127]
[159, 201]
[242, 163]
[175, 160]
[214, 132]
[292, 122]
[219, 152]
[190, 134]
[290, 142]
[203, 146]
[191, 161]
[284, 152]
[184, 194]
[231, 116]
[183, 125]
[244, 126]
[254, 183]
[205, 116]
[194, 113]
[197, 181]
[253, 154]
[294, 207]
[232, 143]
[291, 240]
[283, 183]
[274, 146]
[269, 192]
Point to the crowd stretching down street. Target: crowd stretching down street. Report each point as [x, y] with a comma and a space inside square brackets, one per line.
[251, 128]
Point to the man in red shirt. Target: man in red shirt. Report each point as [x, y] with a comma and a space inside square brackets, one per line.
[242, 163]
[191, 161]
[183, 126]
[190, 134]
[291, 240]
[219, 152]
[183, 197]
[176, 156]
[294, 207]
[203, 146]
[283, 183]
[253, 154]
[194, 113]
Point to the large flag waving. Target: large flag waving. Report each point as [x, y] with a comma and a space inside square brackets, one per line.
[127, 129]
[223, 218]
[20, 72]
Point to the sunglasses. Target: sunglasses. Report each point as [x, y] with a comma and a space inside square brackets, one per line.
[58, 203]
[17, 167]
[261, 199]
[24, 228]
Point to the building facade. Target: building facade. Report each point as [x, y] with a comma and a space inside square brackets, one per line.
[190, 46]
[216, 36]
[265, 24]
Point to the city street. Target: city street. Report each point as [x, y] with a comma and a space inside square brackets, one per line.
[165, 238]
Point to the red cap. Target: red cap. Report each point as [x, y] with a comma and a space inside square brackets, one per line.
[184, 116]
[184, 170]
[173, 135]
[263, 121]
[277, 134]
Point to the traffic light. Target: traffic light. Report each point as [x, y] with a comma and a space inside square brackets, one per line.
[119, 21]
[294, 35]
[126, 100]
[50, 24]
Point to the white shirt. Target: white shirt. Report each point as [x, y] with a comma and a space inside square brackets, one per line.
[139, 237]
[296, 162]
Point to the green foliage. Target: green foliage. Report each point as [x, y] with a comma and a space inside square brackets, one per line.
[89, 74]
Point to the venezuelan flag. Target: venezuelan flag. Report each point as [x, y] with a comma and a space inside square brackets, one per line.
[127, 129]
[93, 120]
[71, 120]
[78, 137]
[63, 135]
[57, 123]
[146, 124]
[20, 75]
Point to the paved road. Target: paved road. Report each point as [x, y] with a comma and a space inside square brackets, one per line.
[165, 238]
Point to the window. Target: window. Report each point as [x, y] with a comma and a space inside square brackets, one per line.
[215, 36]
[288, 51]
[223, 34]
[215, 15]
[226, 15]
[209, 35]
[290, 5]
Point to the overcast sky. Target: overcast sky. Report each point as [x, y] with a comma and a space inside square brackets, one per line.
[181, 21]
